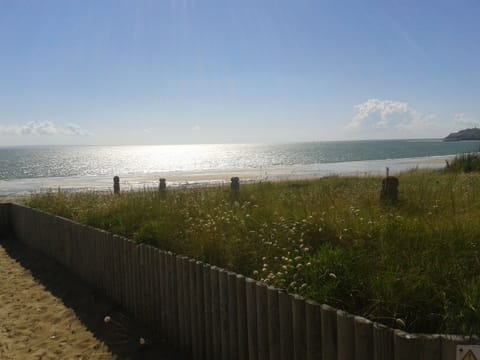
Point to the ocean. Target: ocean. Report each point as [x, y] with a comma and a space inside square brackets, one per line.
[34, 169]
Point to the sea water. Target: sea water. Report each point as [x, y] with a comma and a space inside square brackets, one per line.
[43, 168]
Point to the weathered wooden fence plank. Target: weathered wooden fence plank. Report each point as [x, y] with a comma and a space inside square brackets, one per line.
[87, 259]
[156, 292]
[74, 247]
[82, 252]
[181, 302]
[123, 269]
[286, 325]
[5, 222]
[273, 323]
[136, 280]
[262, 320]
[224, 332]
[299, 328]
[449, 345]
[251, 288]
[242, 318]
[173, 309]
[314, 330]
[149, 286]
[68, 244]
[142, 284]
[345, 336]
[200, 305]
[163, 293]
[105, 260]
[192, 293]
[207, 291]
[215, 306]
[56, 232]
[187, 323]
[329, 333]
[382, 342]
[363, 338]
[118, 256]
[128, 276]
[416, 346]
[232, 315]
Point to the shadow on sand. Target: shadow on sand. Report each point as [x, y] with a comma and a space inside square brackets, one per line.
[122, 335]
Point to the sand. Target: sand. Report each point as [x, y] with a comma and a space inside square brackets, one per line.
[25, 187]
[47, 313]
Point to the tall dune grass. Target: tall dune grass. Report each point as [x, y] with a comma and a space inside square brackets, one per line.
[416, 262]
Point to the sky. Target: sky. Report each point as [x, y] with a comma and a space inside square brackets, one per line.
[116, 72]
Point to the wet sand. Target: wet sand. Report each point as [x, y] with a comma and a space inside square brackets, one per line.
[25, 187]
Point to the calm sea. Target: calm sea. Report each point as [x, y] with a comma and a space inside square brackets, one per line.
[26, 169]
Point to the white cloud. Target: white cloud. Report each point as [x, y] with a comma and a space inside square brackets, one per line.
[465, 120]
[196, 128]
[43, 128]
[387, 116]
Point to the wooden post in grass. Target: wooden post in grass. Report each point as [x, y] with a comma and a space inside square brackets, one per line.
[235, 184]
[162, 185]
[116, 185]
[389, 188]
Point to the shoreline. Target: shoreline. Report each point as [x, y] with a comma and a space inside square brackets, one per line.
[14, 188]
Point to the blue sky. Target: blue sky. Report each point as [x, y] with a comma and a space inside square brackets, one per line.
[221, 71]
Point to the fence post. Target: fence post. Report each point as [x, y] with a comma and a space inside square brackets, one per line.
[235, 184]
[215, 306]
[232, 315]
[363, 338]
[262, 320]
[449, 345]
[201, 334]
[314, 330]
[286, 325]
[345, 336]
[299, 328]
[157, 284]
[186, 299]
[251, 318]
[192, 292]
[329, 333]
[416, 346]
[163, 292]
[273, 323]
[224, 326]
[4, 219]
[162, 185]
[208, 314]
[116, 185]
[382, 342]
[181, 301]
[242, 318]
[389, 188]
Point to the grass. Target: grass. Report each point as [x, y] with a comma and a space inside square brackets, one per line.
[415, 262]
[466, 162]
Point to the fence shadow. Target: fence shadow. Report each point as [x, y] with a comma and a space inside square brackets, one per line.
[122, 335]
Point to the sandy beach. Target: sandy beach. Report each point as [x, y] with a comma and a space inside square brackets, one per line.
[25, 187]
[47, 313]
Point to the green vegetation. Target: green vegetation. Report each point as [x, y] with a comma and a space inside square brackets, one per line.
[466, 134]
[465, 162]
[415, 262]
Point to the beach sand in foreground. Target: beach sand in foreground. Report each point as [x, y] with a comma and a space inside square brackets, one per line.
[46, 313]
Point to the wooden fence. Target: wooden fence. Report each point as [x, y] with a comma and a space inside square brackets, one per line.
[209, 312]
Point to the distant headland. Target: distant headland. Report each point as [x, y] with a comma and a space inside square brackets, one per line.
[466, 134]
